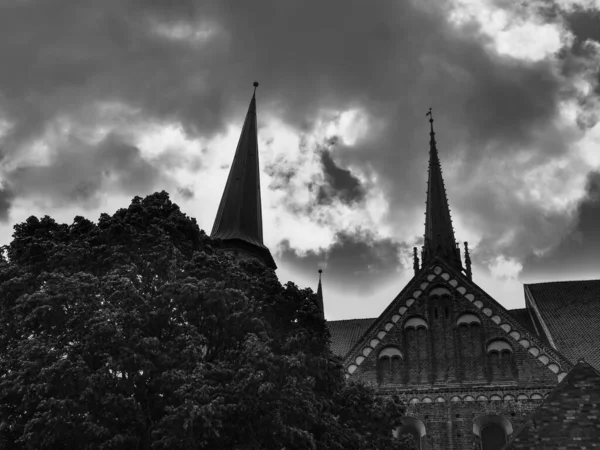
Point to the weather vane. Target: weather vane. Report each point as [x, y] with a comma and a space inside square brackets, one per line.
[430, 114]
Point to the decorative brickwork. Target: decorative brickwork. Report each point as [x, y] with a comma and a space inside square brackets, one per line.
[569, 418]
[464, 360]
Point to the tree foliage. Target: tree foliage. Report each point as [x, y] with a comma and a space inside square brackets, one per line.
[139, 333]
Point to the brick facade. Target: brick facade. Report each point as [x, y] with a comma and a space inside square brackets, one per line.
[569, 418]
[458, 358]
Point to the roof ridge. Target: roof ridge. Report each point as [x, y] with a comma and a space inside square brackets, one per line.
[558, 282]
[350, 320]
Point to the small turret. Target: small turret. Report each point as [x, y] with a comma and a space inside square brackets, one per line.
[415, 260]
[468, 262]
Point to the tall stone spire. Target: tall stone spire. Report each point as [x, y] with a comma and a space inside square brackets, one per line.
[239, 219]
[439, 234]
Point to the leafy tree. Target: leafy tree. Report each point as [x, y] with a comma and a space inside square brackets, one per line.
[139, 333]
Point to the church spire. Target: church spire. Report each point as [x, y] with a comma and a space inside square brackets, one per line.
[320, 294]
[239, 218]
[439, 234]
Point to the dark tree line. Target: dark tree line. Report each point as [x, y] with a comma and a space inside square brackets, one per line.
[139, 333]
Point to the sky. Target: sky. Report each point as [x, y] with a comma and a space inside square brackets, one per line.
[103, 101]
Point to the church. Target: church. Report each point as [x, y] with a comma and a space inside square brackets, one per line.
[474, 374]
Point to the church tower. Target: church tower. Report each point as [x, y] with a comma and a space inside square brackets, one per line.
[439, 233]
[239, 218]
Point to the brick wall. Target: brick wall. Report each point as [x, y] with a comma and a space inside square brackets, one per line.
[450, 377]
[569, 418]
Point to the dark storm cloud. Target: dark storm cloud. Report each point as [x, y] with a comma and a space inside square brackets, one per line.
[192, 63]
[340, 183]
[6, 197]
[360, 259]
[585, 24]
[578, 252]
[79, 172]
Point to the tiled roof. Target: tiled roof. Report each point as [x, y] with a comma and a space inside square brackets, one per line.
[567, 418]
[345, 333]
[522, 316]
[571, 312]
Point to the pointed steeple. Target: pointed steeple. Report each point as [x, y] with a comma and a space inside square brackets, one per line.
[239, 218]
[439, 234]
[320, 294]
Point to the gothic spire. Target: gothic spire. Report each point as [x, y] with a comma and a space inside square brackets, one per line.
[439, 234]
[239, 218]
[320, 294]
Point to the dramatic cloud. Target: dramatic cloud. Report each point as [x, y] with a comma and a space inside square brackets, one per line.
[129, 96]
[577, 254]
[341, 183]
[360, 259]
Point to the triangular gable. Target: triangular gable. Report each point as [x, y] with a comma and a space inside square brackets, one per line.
[568, 417]
[440, 274]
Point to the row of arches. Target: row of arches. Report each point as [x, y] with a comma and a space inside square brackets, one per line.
[455, 338]
[479, 398]
[491, 430]
[477, 359]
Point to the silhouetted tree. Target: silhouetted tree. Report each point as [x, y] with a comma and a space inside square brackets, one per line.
[139, 333]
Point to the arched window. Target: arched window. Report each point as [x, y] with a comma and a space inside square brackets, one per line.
[500, 360]
[493, 431]
[415, 322]
[416, 349]
[468, 318]
[413, 427]
[493, 437]
[470, 346]
[388, 365]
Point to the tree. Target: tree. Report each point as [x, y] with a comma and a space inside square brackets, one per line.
[138, 332]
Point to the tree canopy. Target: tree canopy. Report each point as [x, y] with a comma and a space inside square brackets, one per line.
[138, 332]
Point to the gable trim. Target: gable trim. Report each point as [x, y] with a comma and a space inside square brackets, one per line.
[529, 297]
[438, 271]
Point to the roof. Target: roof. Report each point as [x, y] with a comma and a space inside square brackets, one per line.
[439, 233]
[346, 333]
[239, 217]
[570, 315]
[522, 316]
[567, 418]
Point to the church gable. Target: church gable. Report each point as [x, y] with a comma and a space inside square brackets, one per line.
[443, 329]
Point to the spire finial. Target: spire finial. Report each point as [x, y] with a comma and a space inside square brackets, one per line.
[430, 114]
[255, 84]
